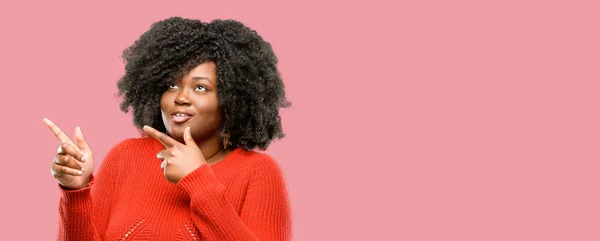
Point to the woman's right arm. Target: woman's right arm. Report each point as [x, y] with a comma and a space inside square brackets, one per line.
[84, 213]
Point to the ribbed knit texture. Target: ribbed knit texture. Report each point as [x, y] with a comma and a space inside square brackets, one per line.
[242, 197]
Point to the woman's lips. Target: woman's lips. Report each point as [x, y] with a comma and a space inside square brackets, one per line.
[180, 118]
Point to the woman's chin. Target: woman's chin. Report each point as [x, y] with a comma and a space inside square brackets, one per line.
[176, 132]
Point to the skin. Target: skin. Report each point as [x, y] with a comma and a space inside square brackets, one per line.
[73, 164]
[188, 145]
[196, 93]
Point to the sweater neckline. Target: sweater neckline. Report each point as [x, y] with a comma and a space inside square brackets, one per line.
[229, 156]
[226, 158]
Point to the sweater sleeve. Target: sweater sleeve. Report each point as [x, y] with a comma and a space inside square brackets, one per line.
[265, 215]
[84, 213]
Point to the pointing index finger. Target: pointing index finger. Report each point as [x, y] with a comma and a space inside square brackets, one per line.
[167, 141]
[60, 135]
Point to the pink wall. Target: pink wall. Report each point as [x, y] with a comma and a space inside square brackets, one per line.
[445, 120]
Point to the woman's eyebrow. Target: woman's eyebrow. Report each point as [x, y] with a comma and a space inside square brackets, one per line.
[202, 78]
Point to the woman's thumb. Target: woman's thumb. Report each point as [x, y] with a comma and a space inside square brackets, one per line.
[81, 141]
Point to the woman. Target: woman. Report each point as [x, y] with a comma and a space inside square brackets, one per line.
[205, 94]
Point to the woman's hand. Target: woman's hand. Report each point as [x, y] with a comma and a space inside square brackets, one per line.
[179, 159]
[73, 164]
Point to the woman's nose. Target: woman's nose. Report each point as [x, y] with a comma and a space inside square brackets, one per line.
[182, 98]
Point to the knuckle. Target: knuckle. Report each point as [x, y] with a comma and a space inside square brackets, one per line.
[65, 159]
[67, 148]
[62, 159]
[70, 150]
[57, 174]
[58, 171]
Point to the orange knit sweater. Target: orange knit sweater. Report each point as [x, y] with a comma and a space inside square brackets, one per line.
[242, 197]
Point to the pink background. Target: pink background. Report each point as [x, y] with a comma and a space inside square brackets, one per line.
[436, 120]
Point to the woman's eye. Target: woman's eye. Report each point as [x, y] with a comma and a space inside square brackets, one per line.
[173, 86]
[201, 88]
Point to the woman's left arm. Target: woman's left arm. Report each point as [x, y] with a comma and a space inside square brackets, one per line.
[265, 215]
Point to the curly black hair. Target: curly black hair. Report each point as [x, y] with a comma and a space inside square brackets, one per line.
[250, 88]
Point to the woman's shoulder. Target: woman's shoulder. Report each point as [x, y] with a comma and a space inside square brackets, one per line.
[136, 143]
[260, 162]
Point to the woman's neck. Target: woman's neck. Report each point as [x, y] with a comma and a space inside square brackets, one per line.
[213, 150]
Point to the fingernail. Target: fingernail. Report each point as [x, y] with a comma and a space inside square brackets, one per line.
[79, 172]
[82, 169]
[84, 157]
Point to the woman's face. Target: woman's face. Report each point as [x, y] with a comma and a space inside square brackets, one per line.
[192, 101]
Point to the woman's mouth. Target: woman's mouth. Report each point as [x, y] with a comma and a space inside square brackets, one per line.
[180, 118]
